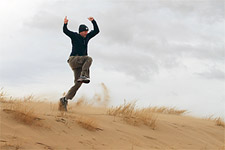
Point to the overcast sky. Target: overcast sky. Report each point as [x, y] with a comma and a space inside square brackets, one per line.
[158, 52]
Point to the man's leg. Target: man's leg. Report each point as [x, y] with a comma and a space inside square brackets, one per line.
[73, 90]
[86, 66]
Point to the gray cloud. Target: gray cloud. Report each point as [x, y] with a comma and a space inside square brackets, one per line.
[45, 20]
[212, 73]
[165, 32]
[137, 38]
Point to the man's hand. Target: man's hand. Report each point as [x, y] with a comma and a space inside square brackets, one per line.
[66, 20]
[91, 18]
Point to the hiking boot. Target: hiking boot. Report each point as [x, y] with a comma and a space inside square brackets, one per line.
[63, 104]
[83, 79]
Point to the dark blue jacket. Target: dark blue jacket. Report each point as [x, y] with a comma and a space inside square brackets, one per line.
[79, 43]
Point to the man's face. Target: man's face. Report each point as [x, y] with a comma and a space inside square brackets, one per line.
[84, 33]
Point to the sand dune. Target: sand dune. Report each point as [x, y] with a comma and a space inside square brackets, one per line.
[29, 124]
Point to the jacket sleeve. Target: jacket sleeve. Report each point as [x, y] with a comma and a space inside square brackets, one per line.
[66, 31]
[94, 32]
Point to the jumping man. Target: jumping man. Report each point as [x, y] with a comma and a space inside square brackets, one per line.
[79, 60]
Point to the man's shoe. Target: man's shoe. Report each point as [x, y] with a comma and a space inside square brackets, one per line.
[83, 79]
[63, 104]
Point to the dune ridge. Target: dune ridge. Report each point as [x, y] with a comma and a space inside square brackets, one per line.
[30, 123]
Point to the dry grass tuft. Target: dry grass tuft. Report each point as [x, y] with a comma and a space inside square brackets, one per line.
[2, 95]
[87, 123]
[219, 122]
[23, 114]
[19, 109]
[166, 110]
[134, 116]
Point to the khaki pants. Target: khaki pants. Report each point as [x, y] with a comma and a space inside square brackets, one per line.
[80, 66]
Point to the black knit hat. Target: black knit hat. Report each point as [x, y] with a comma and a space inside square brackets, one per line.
[83, 27]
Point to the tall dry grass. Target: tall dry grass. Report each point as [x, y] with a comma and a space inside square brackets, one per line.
[134, 116]
[217, 120]
[146, 116]
[19, 108]
[166, 110]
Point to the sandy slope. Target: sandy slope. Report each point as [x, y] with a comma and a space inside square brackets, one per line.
[57, 131]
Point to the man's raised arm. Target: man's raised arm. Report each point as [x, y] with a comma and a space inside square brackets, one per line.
[65, 29]
[92, 33]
